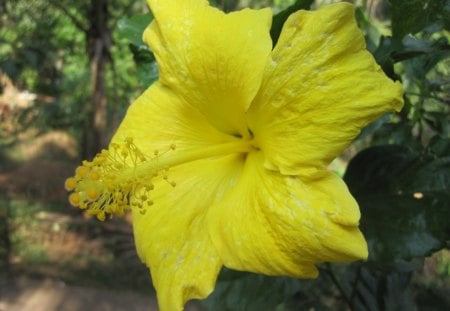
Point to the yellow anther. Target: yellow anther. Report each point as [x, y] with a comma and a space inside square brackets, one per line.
[101, 216]
[114, 146]
[92, 194]
[94, 175]
[173, 184]
[173, 146]
[70, 184]
[144, 197]
[99, 160]
[137, 205]
[81, 171]
[129, 140]
[74, 199]
[156, 152]
[118, 195]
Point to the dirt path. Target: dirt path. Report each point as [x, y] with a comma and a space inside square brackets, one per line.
[48, 295]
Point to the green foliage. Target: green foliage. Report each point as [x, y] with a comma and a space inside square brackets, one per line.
[261, 292]
[420, 14]
[132, 29]
[404, 200]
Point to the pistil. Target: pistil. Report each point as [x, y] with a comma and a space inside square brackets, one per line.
[106, 185]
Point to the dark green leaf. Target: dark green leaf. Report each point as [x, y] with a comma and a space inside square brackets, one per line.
[147, 68]
[280, 18]
[381, 289]
[147, 73]
[440, 146]
[371, 33]
[377, 170]
[391, 50]
[132, 28]
[411, 16]
[404, 199]
[247, 292]
[383, 55]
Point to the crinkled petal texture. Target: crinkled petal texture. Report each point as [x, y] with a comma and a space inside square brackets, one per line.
[214, 61]
[281, 225]
[172, 237]
[319, 89]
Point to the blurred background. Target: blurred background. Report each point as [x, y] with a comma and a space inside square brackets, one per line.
[68, 72]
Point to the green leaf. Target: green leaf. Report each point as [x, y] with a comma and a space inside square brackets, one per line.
[147, 73]
[371, 32]
[132, 28]
[375, 288]
[280, 18]
[439, 146]
[378, 170]
[238, 291]
[404, 199]
[392, 50]
[411, 16]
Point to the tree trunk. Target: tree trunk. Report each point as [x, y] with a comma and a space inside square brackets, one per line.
[5, 242]
[99, 42]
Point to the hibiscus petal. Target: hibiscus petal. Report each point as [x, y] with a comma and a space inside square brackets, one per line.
[159, 118]
[319, 89]
[172, 236]
[281, 225]
[213, 60]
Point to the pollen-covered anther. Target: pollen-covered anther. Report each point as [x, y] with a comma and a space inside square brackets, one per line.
[93, 194]
[81, 171]
[74, 199]
[149, 187]
[94, 175]
[105, 185]
[165, 176]
[70, 184]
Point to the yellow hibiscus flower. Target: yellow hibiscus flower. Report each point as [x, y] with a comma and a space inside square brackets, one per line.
[223, 161]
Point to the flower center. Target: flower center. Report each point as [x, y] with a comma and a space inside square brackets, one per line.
[106, 184]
